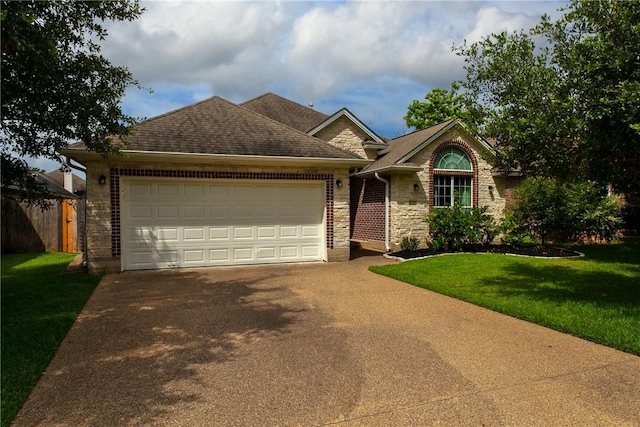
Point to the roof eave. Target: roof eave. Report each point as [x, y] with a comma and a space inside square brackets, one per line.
[390, 169]
[216, 159]
[441, 132]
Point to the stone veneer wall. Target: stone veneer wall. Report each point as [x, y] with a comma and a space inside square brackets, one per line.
[103, 206]
[343, 134]
[409, 208]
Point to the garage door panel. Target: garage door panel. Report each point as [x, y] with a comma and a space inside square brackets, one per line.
[243, 254]
[266, 253]
[191, 256]
[167, 191]
[289, 252]
[194, 234]
[166, 234]
[310, 251]
[220, 255]
[289, 231]
[218, 233]
[266, 232]
[242, 193]
[141, 235]
[219, 212]
[142, 212]
[194, 212]
[310, 231]
[243, 232]
[138, 190]
[194, 190]
[185, 223]
[168, 212]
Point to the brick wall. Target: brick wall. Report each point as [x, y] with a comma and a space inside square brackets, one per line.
[367, 209]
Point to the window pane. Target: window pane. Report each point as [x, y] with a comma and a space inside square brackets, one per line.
[442, 191]
[453, 158]
[462, 190]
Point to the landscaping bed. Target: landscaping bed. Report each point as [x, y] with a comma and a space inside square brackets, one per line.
[524, 250]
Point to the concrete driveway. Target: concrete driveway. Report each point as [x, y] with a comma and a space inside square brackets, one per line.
[318, 344]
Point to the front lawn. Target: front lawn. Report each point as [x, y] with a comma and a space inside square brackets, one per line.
[39, 305]
[596, 297]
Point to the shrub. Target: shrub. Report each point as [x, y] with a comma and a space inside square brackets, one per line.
[409, 244]
[594, 216]
[578, 212]
[452, 228]
[540, 209]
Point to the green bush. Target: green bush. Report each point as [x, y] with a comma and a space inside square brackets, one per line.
[576, 212]
[540, 209]
[409, 244]
[593, 215]
[451, 229]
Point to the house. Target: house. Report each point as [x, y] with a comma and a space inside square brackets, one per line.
[272, 181]
[26, 227]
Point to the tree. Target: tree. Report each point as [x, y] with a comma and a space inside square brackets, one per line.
[563, 100]
[56, 87]
[440, 105]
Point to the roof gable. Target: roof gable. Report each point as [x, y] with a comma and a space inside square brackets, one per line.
[218, 127]
[403, 148]
[374, 142]
[285, 111]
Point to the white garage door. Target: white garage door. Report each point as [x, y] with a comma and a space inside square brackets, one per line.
[169, 223]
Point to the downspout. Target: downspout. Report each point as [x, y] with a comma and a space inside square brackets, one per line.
[386, 211]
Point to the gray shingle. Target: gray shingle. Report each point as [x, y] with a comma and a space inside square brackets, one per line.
[217, 126]
[285, 111]
[400, 147]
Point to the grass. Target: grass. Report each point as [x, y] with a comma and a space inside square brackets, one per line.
[39, 305]
[596, 297]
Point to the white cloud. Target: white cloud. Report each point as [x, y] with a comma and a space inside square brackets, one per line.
[495, 20]
[373, 57]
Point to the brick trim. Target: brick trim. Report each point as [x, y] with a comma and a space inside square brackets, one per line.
[116, 173]
[473, 173]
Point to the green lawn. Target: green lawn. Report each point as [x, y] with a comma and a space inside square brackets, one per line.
[596, 297]
[39, 305]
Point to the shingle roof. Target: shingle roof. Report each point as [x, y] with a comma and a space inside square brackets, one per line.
[401, 146]
[57, 176]
[285, 111]
[217, 126]
[49, 190]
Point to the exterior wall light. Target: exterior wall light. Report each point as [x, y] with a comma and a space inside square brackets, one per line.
[490, 188]
[416, 187]
[102, 180]
[339, 183]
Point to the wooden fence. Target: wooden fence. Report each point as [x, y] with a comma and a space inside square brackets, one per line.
[28, 228]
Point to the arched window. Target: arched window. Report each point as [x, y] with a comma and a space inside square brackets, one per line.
[453, 178]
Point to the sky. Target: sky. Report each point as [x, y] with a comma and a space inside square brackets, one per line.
[373, 57]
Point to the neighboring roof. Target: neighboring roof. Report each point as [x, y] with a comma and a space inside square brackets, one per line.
[51, 189]
[57, 176]
[401, 149]
[218, 127]
[374, 140]
[285, 111]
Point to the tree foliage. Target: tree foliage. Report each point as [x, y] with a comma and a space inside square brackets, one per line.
[56, 86]
[440, 105]
[563, 100]
[568, 211]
